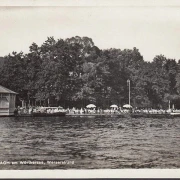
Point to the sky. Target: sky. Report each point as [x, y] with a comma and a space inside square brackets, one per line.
[154, 30]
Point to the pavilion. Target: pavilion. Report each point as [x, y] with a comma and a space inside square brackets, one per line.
[7, 101]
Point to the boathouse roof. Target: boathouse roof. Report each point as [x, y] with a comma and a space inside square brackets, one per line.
[5, 90]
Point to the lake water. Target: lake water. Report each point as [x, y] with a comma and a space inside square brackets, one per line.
[88, 143]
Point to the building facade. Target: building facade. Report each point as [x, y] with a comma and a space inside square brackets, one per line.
[7, 101]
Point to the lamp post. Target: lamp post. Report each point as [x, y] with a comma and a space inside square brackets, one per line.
[128, 82]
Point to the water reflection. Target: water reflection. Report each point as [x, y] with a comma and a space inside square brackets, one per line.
[91, 142]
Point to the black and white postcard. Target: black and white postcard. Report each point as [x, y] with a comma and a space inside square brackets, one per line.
[90, 87]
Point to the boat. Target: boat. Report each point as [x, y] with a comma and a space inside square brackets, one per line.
[175, 114]
[48, 112]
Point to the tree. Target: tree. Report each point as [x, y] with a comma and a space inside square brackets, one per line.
[75, 71]
[13, 74]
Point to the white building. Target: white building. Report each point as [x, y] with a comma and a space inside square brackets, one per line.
[7, 101]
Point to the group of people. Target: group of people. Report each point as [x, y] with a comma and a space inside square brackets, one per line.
[118, 111]
[22, 110]
[40, 109]
[155, 111]
[94, 111]
[30, 110]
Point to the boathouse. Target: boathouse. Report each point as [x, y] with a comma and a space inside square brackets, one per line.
[7, 101]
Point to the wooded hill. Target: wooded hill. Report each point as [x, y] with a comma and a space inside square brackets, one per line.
[75, 72]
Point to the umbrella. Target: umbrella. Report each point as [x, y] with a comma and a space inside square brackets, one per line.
[127, 106]
[91, 106]
[114, 106]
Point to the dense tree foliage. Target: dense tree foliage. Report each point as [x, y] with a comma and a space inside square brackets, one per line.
[75, 72]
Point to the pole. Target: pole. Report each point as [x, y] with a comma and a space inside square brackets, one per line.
[128, 81]
[129, 93]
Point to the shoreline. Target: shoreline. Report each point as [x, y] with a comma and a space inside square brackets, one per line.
[125, 115]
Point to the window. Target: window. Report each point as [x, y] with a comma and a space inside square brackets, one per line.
[4, 102]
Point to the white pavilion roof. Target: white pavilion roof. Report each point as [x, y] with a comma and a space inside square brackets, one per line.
[5, 90]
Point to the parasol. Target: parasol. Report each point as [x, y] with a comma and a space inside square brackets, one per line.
[127, 106]
[90, 106]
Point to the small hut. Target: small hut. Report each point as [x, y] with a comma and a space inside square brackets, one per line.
[7, 101]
